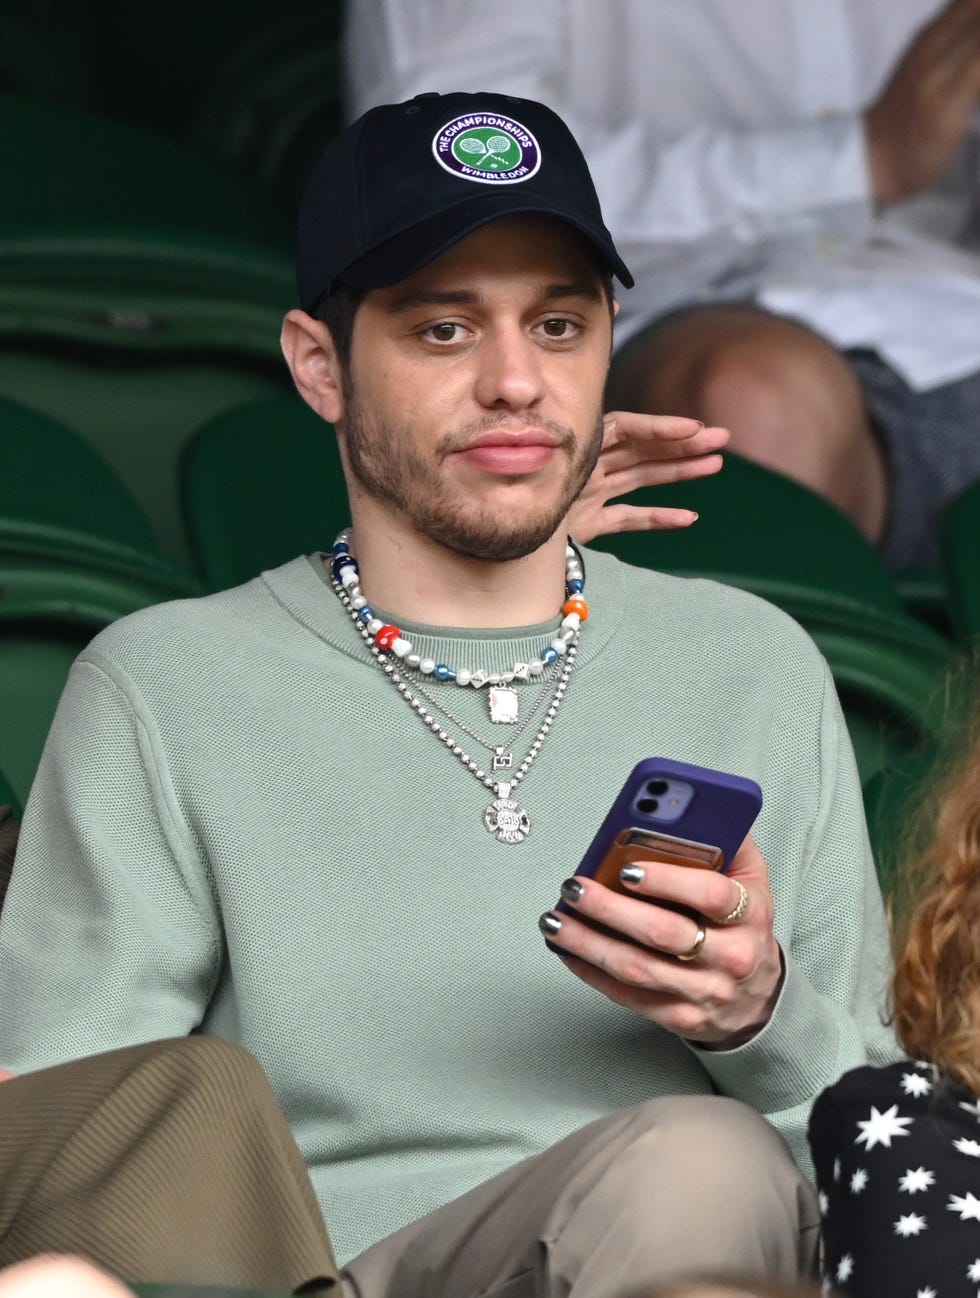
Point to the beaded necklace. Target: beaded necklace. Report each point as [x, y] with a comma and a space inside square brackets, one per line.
[502, 700]
[504, 818]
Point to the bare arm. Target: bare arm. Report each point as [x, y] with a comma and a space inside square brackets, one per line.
[919, 119]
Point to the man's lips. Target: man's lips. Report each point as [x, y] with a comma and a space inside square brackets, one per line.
[499, 451]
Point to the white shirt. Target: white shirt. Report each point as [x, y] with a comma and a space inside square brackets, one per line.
[727, 145]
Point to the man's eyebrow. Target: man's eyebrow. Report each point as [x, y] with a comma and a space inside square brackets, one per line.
[466, 297]
[435, 297]
[580, 288]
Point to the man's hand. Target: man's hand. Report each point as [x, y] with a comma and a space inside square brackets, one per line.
[918, 121]
[724, 995]
[643, 451]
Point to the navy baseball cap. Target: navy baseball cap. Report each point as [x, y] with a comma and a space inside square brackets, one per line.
[407, 181]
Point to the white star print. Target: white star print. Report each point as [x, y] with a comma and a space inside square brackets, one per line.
[881, 1127]
[859, 1180]
[925, 1293]
[915, 1179]
[967, 1205]
[824, 1203]
[921, 1063]
[916, 1084]
[910, 1224]
[836, 1169]
[845, 1268]
[973, 1270]
[973, 1109]
[965, 1146]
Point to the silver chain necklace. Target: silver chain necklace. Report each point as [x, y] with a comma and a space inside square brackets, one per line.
[506, 819]
[503, 757]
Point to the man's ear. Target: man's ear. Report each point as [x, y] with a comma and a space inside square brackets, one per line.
[312, 359]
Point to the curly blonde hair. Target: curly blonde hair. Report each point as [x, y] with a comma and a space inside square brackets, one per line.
[935, 991]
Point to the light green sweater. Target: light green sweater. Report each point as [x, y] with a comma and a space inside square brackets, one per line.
[239, 827]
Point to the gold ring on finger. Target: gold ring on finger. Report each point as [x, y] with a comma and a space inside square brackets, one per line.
[740, 908]
[692, 952]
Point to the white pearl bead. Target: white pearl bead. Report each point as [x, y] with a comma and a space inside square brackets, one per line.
[559, 646]
[535, 666]
[400, 646]
[375, 625]
[413, 660]
[358, 601]
[427, 666]
[572, 620]
[507, 677]
[493, 678]
[464, 676]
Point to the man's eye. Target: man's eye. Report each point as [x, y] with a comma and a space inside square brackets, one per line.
[558, 328]
[445, 332]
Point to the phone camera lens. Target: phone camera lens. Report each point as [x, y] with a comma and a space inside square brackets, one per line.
[657, 787]
[647, 805]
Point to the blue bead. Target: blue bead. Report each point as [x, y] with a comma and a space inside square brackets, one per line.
[549, 655]
[340, 548]
[575, 586]
[444, 673]
[366, 613]
[342, 561]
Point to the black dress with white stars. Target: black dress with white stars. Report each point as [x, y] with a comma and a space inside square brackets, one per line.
[897, 1156]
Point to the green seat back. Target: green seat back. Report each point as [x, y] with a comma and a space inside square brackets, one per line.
[259, 485]
[34, 662]
[51, 477]
[891, 797]
[72, 166]
[961, 561]
[758, 529]
[274, 103]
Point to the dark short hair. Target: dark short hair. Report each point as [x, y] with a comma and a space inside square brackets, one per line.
[337, 312]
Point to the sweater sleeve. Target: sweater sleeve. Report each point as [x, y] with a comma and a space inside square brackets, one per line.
[830, 922]
[109, 934]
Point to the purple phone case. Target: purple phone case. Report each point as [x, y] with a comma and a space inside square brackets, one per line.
[721, 812]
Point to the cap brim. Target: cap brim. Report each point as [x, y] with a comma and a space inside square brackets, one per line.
[409, 250]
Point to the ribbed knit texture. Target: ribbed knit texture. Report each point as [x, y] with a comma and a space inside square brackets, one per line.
[239, 827]
[164, 1163]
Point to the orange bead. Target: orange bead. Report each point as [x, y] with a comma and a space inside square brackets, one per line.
[576, 605]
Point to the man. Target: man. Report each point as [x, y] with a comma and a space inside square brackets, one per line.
[792, 185]
[318, 816]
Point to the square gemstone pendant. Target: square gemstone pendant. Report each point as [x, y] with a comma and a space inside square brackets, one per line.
[503, 704]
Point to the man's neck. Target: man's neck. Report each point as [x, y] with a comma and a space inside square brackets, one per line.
[418, 580]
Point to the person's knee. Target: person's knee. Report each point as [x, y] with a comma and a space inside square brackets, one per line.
[720, 1156]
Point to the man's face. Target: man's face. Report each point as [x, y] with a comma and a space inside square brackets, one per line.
[473, 405]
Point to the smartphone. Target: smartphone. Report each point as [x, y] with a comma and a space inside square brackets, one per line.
[674, 812]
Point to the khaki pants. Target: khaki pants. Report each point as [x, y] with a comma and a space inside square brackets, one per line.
[171, 1162]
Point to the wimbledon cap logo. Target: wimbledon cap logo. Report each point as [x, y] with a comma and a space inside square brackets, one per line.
[487, 148]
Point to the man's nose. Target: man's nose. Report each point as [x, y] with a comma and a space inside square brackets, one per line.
[510, 373]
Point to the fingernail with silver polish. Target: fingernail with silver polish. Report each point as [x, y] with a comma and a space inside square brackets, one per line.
[572, 890]
[549, 924]
[632, 873]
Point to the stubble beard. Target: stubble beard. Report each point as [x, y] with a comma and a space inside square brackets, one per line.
[386, 466]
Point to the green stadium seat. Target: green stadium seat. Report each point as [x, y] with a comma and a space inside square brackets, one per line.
[61, 504]
[34, 662]
[961, 561]
[259, 485]
[274, 102]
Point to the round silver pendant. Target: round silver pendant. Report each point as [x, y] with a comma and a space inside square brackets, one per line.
[507, 821]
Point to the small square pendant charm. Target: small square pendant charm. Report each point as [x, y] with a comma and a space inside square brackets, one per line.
[503, 704]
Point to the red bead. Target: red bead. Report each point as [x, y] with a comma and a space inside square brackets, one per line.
[386, 637]
[576, 605]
